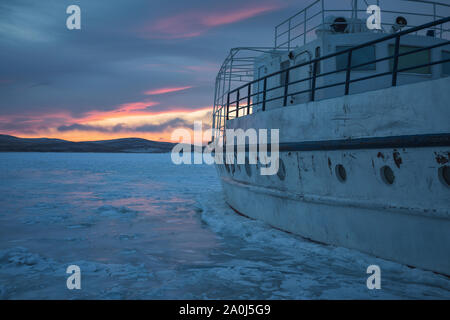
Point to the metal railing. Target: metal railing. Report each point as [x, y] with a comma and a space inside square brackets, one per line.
[300, 28]
[237, 68]
[246, 101]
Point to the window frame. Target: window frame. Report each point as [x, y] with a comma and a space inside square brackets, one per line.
[411, 72]
[368, 68]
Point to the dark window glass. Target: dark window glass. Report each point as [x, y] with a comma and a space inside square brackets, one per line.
[411, 60]
[359, 56]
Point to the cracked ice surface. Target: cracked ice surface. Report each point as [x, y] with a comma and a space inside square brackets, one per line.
[140, 227]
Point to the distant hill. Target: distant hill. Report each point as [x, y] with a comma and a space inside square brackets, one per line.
[129, 145]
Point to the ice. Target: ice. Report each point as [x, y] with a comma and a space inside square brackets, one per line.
[140, 227]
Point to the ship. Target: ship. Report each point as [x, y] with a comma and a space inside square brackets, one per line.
[364, 129]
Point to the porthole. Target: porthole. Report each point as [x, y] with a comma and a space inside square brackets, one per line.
[387, 175]
[248, 169]
[341, 173]
[444, 175]
[281, 170]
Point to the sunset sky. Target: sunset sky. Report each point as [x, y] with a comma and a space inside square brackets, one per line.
[137, 68]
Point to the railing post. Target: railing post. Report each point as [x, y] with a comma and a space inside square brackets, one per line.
[304, 28]
[323, 14]
[286, 88]
[434, 11]
[434, 19]
[349, 69]
[313, 83]
[264, 94]
[228, 106]
[276, 36]
[289, 35]
[395, 66]
[237, 103]
[248, 97]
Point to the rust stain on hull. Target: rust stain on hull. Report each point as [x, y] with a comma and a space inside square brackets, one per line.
[397, 159]
[441, 159]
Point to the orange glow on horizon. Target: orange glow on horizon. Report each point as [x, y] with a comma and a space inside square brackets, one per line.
[97, 136]
[109, 120]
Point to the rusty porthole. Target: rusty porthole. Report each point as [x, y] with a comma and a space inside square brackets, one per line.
[341, 173]
[387, 175]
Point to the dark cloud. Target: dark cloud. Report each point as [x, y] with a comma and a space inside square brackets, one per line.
[82, 127]
[114, 60]
[124, 49]
[171, 124]
[118, 54]
[108, 62]
[146, 128]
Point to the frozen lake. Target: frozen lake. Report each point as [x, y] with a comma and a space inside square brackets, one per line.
[140, 227]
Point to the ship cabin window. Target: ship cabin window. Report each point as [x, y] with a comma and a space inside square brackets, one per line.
[360, 56]
[446, 66]
[411, 60]
[318, 55]
[283, 66]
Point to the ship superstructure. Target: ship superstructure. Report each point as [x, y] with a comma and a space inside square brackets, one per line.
[363, 117]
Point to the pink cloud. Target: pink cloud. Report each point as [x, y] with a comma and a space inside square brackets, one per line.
[217, 19]
[133, 106]
[166, 90]
[203, 68]
[194, 24]
[130, 108]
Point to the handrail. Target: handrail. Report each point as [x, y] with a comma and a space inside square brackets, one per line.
[367, 44]
[298, 13]
[320, 7]
[314, 62]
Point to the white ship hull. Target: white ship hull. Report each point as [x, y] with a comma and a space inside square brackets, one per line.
[405, 128]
